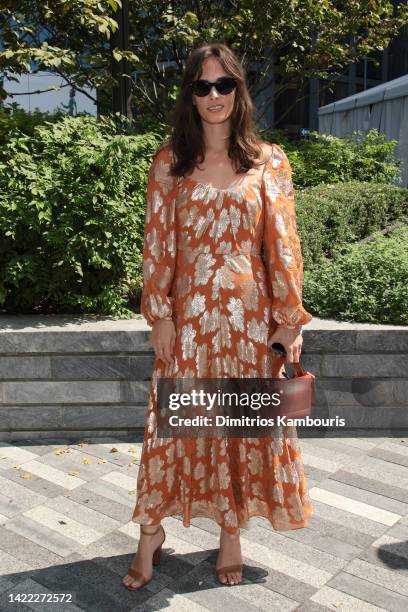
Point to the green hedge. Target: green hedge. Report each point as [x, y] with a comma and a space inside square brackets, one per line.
[331, 216]
[72, 206]
[329, 159]
[72, 202]
[367, 282]
[13, 117]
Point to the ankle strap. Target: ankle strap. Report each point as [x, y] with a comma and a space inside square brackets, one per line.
[149, 532]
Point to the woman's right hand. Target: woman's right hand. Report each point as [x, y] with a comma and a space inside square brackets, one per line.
[163, 340]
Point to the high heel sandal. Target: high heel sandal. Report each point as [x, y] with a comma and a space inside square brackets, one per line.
[230, 569]
[155, 561]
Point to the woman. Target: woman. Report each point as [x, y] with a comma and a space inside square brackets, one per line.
[215, 196]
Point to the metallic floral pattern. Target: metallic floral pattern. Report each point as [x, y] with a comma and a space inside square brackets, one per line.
[202, 267]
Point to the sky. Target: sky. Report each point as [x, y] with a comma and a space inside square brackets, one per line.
[49, 101]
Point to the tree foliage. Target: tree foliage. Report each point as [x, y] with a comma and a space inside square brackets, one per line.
[281, 43]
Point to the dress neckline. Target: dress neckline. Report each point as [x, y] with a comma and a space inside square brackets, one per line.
[221, 189]
[230, 189]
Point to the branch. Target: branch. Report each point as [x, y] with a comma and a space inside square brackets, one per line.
[72, 83]
[39, 91]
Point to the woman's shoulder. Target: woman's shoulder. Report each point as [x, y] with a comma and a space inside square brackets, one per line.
[273, 154]
[164, 153]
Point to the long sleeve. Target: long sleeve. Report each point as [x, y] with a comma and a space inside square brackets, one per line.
[281, 244]
[159, 247]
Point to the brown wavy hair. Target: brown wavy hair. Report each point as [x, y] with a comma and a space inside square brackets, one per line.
[186, 138]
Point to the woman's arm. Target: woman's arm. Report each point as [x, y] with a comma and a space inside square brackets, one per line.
[283, 256]
[159, 248]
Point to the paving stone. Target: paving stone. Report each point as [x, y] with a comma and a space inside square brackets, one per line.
[385, 490]
[27, 551]
[362, 495]
[360, 508]
[36, 483]
[324, 540]
[110, 491]
[9, 565]
[63, 524]
[19, 492]
[90, 597]
[386, 455]
[9, 508]
[42, 535]
[354, 521]
[386, 557]
[335, 599]
[283, 590]
[369, 592]
[379, 575]
[28, 589]
[74, 460]
[53, 475]
[66, 534]
[114, 510]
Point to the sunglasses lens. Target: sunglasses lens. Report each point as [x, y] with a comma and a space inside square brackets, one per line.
[201, 88]
[224, 86]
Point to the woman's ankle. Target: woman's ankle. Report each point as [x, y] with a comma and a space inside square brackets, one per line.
[235, 534]
[149, 529]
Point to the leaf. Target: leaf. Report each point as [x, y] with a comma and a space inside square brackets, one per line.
[87, 461]
[26, 475]
[130, 491]
[73, 473]
[113, 450]
[18, 467]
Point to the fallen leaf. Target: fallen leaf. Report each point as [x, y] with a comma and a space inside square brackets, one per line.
[130, 491]
[73, 473]
[87, 461]
[26, 475]
[18, 467]
[83, 442]
[113, 450]
[62, 522]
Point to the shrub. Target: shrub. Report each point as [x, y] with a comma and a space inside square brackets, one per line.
[367, 282]
[330, 216]
[329, 159]
[13, 117]
[72, 202]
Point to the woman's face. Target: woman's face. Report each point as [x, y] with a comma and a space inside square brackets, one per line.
[214, 108]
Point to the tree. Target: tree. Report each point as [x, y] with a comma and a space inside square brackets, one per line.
[69, 37]
[281, 43]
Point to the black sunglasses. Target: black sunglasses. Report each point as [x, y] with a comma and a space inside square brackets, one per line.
[224, 86]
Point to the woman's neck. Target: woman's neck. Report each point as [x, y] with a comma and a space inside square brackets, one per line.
[216, 137]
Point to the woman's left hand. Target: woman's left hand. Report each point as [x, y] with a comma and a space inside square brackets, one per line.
[291, 339]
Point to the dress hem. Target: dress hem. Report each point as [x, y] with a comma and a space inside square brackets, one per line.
[242, 524]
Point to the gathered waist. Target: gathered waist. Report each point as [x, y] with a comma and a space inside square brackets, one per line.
[193, 253]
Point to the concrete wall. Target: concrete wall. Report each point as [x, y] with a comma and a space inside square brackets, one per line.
[61, 376]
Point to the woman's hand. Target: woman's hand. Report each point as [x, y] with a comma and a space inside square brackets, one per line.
[291, 339]
[163, 340]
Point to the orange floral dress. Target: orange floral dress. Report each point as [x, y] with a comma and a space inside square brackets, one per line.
[202, 268]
